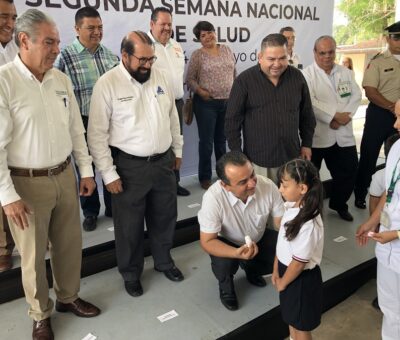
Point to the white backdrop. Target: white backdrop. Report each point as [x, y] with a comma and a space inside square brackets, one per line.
[241, 24]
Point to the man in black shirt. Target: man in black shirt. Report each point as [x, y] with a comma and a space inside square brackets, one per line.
[270, 103]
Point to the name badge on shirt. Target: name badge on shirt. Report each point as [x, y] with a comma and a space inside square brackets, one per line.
[344, 89]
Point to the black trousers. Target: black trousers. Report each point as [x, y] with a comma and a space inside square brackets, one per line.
[91, 204]
[342, 164]
[179, 107]
[149, 195]
[225, 268]
[377, 128]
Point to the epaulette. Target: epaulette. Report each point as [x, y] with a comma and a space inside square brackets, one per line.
[376, 55]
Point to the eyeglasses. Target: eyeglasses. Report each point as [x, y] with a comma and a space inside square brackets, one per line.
[143, 61]
[93, 28]
[322, 53]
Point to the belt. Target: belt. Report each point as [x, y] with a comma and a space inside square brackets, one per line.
[54, 171]
[151, 158]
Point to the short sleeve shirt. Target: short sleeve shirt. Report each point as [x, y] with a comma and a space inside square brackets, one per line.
[227, 215]
[307, 246]
[383, 73]
[377, 187]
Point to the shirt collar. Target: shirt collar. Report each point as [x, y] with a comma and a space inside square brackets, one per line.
[333, 71]
[290, 205]
[233, 200]
[27, 73]
[80, 48]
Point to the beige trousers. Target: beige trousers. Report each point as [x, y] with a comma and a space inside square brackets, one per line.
[6, 240]
[271, 173]
[55, 220]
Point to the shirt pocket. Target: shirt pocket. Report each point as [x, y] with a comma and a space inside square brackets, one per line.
[124, 111]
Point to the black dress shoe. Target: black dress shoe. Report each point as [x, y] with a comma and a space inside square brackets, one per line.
[256, 280]
[134, 288]
[108, 213]
[345, 215]
[173, 274]
[360, 204]
[229, 300]
[181, 191]
[89, 223]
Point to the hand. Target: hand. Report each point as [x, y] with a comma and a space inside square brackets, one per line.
[17, 211]
[86, 186]
[334, 124]
[204, 94]
[247, 253]
[177, 163]
[342, 118]
[305, 153]
[274, 277]
[385, 236]
[362, 233]
[115, 187]
[279, 285]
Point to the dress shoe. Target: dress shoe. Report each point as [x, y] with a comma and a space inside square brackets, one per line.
[79, 307]
[42, 330]
[256, 280]
[360, 204]
[173, 274]
[345, 215]
[181, 191]
[134, 288]
[229, 300]
[108, 213]
[5, 262]
[90, 223]
[205, 184]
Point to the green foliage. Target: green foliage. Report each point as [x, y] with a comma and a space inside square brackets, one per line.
[366, 20]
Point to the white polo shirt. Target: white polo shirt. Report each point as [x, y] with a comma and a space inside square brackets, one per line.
[377, 187]
[307, 246]
[223, 213]
[171, 60]
[8, 53]
[389, 254]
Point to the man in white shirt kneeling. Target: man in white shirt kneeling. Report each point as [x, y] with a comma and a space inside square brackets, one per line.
[236, 208]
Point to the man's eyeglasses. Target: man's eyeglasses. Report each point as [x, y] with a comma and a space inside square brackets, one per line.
[143, 61]
[93, 28]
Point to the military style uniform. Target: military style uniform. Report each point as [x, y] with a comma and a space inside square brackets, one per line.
[382, 73]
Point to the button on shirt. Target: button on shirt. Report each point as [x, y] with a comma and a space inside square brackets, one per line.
[223, 213]
[389, 254]
[40, 124]
[383, 74]
[139, 119]
[84, 68]
[307, 246]
[336, 92]
[171, 60]
[8, 53]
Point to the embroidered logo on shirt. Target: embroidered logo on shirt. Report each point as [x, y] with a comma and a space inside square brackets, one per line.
[160, 90]
[125, 99]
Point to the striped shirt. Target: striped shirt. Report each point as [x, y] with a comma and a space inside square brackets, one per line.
[275, 120]
[84, 68]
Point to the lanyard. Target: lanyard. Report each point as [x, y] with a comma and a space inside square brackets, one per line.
[393, 182]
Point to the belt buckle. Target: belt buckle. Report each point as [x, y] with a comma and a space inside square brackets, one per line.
[50, 171]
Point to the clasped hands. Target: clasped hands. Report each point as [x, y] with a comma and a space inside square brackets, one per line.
[340, 119]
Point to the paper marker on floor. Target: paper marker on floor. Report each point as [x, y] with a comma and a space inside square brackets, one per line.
[340, 239]
[90, 336]
[168, 316]
[194, 205]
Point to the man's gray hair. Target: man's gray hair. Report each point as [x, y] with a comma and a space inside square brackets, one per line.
[323, 37]
[273, 40]
[28, 21]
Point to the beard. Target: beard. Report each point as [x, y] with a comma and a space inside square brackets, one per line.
[141, 75]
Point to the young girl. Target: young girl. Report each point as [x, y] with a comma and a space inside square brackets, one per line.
[296, 275]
